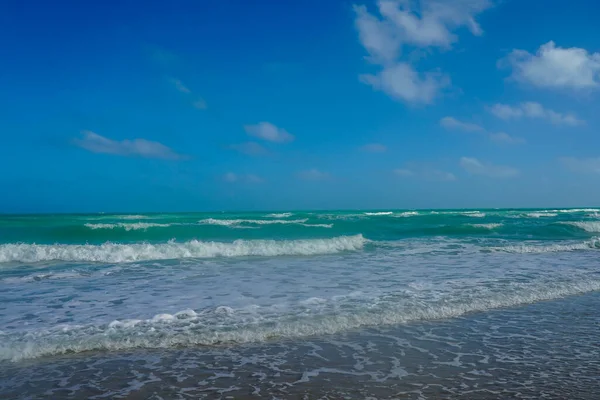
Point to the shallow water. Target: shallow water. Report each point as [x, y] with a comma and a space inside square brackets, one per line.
[412, 304]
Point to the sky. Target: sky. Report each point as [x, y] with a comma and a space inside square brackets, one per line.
[218, 105]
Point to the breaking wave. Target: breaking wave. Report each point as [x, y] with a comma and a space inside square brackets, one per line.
[553, 248]
[372, 214]
[223, 325]
[486, 226]
[128, 226]
[119, 253]
[588, 226]
[235, 223]
[280, 215]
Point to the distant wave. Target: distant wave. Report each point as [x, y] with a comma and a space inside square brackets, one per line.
[280, 215]
[575, 210]
[473, 214]
[134, 226]
[588, 226]
[132, 216]
[407, 214]
[541, 214]
[372, 214]
[553, 248]
[118, 253]
[238, 222]
[222, 324]
[486, 226]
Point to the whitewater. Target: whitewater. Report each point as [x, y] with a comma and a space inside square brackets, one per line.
[303, 294]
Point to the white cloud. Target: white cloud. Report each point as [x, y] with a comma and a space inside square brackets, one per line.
[419, 24]
[401, 81]
[404, 172]
[582, 165]
[500, 137]
[453, 123]
[374, 148]
[179, 85]
[555, 67]
[137, 147]
[268, 131]
[230, 177]
[505, 138]
[313, 175]
[242, 178]
[425, 173]
[377, 37]
[200, 104]
[475, 167]
[424, 23]
[534, 110]
[250, 148]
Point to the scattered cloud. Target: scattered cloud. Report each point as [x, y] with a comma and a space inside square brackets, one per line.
[555, 67]
[200, 104]
[401, 81]
[425, 173]
[582, 165]
[313, 175]
[453, 123]
[534, 110]
[476, 167]
[269, 132]
[418, 24]
[130, 148]
[250, 148]
[505, 138]
[179, 85]
[500, 137]
[242, 178]
[404, 172]
[374, 148]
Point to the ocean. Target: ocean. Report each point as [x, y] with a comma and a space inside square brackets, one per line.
[415, 304]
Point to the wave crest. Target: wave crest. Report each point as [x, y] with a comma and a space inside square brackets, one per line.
[119, 253]
[128, 226]
[588, 226]
[222, 324]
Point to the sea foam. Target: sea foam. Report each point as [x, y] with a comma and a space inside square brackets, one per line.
[222, 325]
[134, 226]
[235, 223]
[118, 253]
[594, 243]
[588, 226]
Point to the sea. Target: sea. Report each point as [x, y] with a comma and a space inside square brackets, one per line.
[385, 304]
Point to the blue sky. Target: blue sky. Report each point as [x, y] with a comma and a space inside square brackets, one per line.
[254, 105]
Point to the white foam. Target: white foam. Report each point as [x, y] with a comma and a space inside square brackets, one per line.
[408, 214]
[588, 226]
[280, 215]
[553, 248]
[473, 214]
[223, 326]
[229, 222]
[372, 214]
[541, 214]
[118, 253]
[486, 226]
[133, 216]
[128, 226]
[240, 223]
[575, 210]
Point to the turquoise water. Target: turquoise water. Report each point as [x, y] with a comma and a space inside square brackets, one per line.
[99, 285]
[97, 229]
